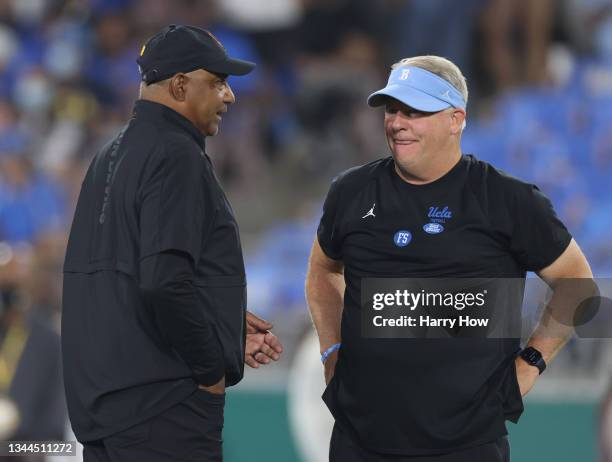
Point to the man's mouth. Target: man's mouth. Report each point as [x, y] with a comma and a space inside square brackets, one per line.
[404, 142]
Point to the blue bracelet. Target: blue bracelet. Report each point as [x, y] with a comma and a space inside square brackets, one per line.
[329, 351]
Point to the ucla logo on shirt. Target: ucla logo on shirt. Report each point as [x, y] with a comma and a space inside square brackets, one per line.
[440, 214]
[402, 238]
[433, 228]
[437, 216]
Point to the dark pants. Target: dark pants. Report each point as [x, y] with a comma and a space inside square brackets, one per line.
[188, 431]
[344, 450]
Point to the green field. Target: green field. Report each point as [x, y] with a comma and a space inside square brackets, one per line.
[257, 429]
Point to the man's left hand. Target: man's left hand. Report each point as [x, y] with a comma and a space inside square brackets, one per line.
[526, 375]
[262, 346]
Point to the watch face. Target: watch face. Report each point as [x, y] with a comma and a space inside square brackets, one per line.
[531, 355]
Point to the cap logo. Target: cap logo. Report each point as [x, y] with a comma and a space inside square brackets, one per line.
[142, 50]
[405, 74]
[216, 40]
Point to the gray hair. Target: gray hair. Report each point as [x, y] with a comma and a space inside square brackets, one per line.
[442, 67]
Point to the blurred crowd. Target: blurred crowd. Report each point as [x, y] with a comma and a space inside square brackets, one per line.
[540, 77]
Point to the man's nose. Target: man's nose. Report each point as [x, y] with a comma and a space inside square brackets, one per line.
[229, 98]
[398, 122]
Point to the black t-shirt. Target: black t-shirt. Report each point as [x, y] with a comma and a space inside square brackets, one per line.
[150, 191]
[428, 396]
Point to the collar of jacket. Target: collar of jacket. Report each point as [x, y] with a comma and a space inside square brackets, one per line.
[144, 109]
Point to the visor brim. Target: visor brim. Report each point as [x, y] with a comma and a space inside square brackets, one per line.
[412, 97]
[232, 66]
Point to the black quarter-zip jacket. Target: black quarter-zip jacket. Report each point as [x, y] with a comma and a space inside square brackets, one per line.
[154, 295]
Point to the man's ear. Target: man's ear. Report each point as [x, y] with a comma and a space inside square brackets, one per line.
[458, 121]
[178, 87]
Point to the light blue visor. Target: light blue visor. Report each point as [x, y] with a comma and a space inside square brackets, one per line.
[420, 89]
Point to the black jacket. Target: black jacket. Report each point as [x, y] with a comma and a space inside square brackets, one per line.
[154, 285]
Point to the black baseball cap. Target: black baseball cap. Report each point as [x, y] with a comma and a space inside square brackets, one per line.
[179, 48]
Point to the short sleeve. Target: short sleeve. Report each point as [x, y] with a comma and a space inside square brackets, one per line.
[538, 236]
[327, 232]
[172, 211]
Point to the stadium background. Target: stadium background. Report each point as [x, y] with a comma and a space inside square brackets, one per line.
[540, 78]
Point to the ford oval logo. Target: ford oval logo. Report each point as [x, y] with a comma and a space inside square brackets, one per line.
[433, 228]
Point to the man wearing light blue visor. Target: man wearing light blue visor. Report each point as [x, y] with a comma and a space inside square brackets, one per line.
[424, 117]
[428, 211]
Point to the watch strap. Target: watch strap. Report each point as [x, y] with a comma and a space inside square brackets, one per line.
[533, 357]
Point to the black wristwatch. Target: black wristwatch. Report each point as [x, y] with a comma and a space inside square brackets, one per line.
[534, 358]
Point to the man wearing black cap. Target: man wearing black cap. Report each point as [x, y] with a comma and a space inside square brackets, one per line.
[154, 319]
[428, 211]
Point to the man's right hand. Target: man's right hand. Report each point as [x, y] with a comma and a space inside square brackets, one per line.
[218, 388]
[325, 294]
[330, 366]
